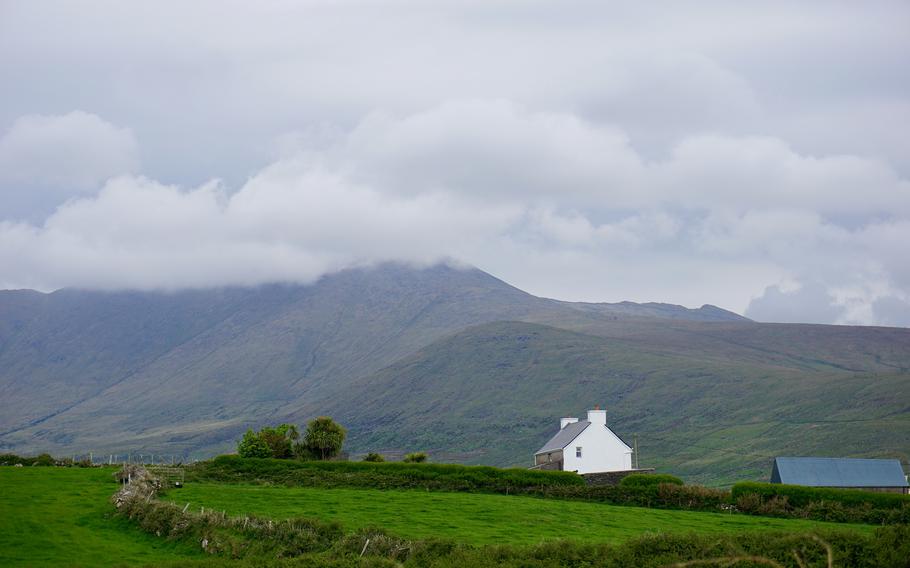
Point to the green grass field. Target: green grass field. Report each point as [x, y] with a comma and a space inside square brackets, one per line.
[62, 517]
[472, 518]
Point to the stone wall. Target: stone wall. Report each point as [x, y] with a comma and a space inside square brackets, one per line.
[611, 477]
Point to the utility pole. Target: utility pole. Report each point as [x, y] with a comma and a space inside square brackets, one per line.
[635, 448]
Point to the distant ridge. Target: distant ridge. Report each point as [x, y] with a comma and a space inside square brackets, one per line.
[660, 310]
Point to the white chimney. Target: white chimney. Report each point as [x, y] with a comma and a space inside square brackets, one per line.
[597, 416]
[563, 422]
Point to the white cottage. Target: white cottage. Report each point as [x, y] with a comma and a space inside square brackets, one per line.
[585, 446]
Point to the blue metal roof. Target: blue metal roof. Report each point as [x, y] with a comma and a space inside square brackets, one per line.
[564, 437]
[838, 472]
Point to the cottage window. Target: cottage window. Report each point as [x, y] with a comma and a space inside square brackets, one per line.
[578, 451]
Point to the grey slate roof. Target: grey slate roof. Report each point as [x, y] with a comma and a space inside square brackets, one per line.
[564, 437]
[838, 472]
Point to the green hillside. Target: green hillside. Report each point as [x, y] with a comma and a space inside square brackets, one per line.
[184, 372]
[494, 393]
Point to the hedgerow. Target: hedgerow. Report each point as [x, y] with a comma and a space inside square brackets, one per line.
[801, 496]
[451, 477]
[655, 491]
[306, 542]
[42, 460]
[379, 475]
[821, 503]
[641, 480]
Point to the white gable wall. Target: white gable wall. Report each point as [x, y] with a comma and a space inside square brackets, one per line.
[601, 450]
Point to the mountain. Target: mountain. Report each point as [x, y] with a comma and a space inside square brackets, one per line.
[442, 358]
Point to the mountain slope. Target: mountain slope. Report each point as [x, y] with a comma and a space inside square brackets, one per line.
[493, 393]
[122, 358]
[187, 372]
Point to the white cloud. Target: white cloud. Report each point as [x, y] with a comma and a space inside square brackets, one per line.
[75, 152]
[484, 181]
[286, 224]
[47, 159]
[809, 304]
[491, 148]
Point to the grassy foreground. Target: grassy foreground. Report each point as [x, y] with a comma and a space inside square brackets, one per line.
[62, 516]
[474, 518]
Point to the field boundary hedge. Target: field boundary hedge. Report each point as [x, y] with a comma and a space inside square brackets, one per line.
[801, 496]
[652, 491]
[821, 503]
[262, 542]
[42, 460]
[458, 478]
[379, 475]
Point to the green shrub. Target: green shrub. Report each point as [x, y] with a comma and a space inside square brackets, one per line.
[800, 496]
[645, 479]
[44, 460]
[12, 459]
[821, 503]
[416, 457]
[280, 440]
[269, 442]
[41, 460]
[253, 446]
[374, 457]
[892, 546]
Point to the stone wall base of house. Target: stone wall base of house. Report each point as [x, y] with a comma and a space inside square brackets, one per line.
[612, 477]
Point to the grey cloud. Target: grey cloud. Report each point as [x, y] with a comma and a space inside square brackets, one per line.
[660, 71]
[46, 159]
[892, 311]
[809, 304]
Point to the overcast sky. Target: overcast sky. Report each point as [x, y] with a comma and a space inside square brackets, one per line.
[751, 155]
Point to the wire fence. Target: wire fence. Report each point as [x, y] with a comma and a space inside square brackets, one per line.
[135, 458]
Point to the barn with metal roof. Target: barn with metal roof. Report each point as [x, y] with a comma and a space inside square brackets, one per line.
[875, 474]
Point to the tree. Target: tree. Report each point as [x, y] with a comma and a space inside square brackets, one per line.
[253, 446]
[373, 457]
[45, 460]
[416, 457]
[324, 437]
[280, 440]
